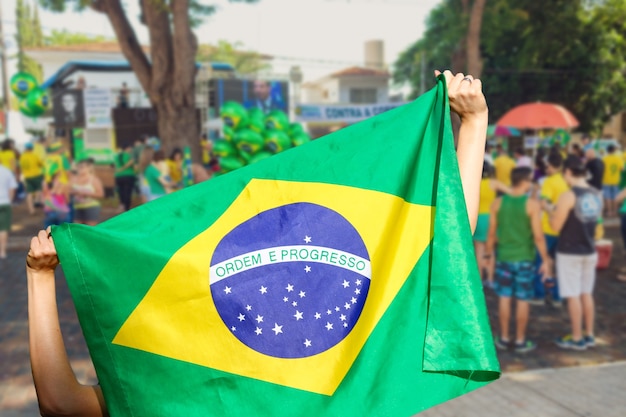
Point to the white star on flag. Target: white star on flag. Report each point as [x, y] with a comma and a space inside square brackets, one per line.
[233, 328]
[289, 288]
[302, 294]
[307, 239]
[318, 316]
[329, 326]
[307, 269]
[285, 299]
[345, 324]
[307, 343]
[347, 306]
[298, 315]
[357, 291]
[258, 331]
[259, 318]
[248, 307]
[263, 289]
[277, 329]
[227, 290]
[328, 312]
[345, 284]
[295, 304]
[241, 317]
[353, 300]
[358, 282]
[337, 308]
[342, 317]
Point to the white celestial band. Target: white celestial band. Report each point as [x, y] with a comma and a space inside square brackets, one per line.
[294, 253]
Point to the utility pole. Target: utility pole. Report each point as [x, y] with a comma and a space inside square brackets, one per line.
[5, 83]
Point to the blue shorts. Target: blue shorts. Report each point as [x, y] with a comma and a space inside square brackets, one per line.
[610, 191]
[482, 228]
[515, 279]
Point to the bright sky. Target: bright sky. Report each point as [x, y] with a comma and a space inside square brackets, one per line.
[318, 30]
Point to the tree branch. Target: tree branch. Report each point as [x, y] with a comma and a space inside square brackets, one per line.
[128, 40]
[185, 49]
[157, 19]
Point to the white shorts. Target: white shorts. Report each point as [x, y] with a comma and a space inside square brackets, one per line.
[576, 274]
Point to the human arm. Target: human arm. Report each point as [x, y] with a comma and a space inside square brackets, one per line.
[561, 210]
[620, 197]
[58, 391]
[493, 227]
[534, 211]
[468, 101]
[499, 186]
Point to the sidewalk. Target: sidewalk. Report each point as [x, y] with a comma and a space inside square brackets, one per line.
[592, 391]
[544, 383]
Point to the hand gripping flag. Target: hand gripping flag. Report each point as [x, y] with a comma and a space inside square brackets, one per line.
[334, 279]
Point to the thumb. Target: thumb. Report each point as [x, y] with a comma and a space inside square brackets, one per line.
[437, 73]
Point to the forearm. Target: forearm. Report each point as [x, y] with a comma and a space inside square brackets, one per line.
[540, 243]
[55, 382]
[470, 154]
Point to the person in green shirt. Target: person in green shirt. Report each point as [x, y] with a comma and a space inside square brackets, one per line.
[514, 231]
[620, 200]
[125, 176]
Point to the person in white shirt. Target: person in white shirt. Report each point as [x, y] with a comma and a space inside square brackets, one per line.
[522, 160]
[8, 185]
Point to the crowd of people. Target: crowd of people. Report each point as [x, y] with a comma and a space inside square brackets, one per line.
[537, 231]
[47, 180]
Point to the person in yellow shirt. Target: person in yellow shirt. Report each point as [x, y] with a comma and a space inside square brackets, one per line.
[39, 148]
[175, 165]
[503, 164]
[32, 170]
[7, 156]
[488, 188]
[551, 189]
[56, 160]
[613, 167]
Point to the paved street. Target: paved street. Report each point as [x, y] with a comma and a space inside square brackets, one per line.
[544, 383]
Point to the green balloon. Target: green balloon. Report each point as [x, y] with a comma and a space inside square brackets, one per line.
[26, 110]
[38, 100]
[234, 115]
[248, 141]
[276, 120]
[300, 139]
[295, 128]
[223, 148]
[22, 83]
[228, 133]
[256, 120]
[230, 163]
[277, 141]
[259, 156]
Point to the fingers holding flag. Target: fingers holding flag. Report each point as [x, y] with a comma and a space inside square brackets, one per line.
[42, 254]
[465, 94]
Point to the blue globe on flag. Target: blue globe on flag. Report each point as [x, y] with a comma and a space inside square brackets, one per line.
[292, 281]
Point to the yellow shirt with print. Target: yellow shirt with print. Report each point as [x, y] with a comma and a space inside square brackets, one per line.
[176, 173]
[552, 188]
[31, 165]
[504, 164]
[613, 165]
[7, 158]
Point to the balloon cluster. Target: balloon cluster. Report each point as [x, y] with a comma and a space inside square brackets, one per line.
[250, 135]
[34, 100]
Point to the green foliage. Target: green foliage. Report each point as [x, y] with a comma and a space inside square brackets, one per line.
[64, 37]
[28, 34]
[244, 61]
[572, 52]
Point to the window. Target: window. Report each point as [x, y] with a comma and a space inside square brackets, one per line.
[363, 95]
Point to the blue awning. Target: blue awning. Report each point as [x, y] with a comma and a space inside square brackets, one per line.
[105, 66]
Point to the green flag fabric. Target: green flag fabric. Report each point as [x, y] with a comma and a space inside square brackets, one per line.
[333, 279]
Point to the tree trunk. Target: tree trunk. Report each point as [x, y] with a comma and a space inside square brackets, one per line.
[474, 60]
[177, 125]
[168, 78]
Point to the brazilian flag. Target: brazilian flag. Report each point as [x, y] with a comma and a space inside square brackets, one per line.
[333, 279]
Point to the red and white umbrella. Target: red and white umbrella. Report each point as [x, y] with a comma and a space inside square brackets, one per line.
[539, 116]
